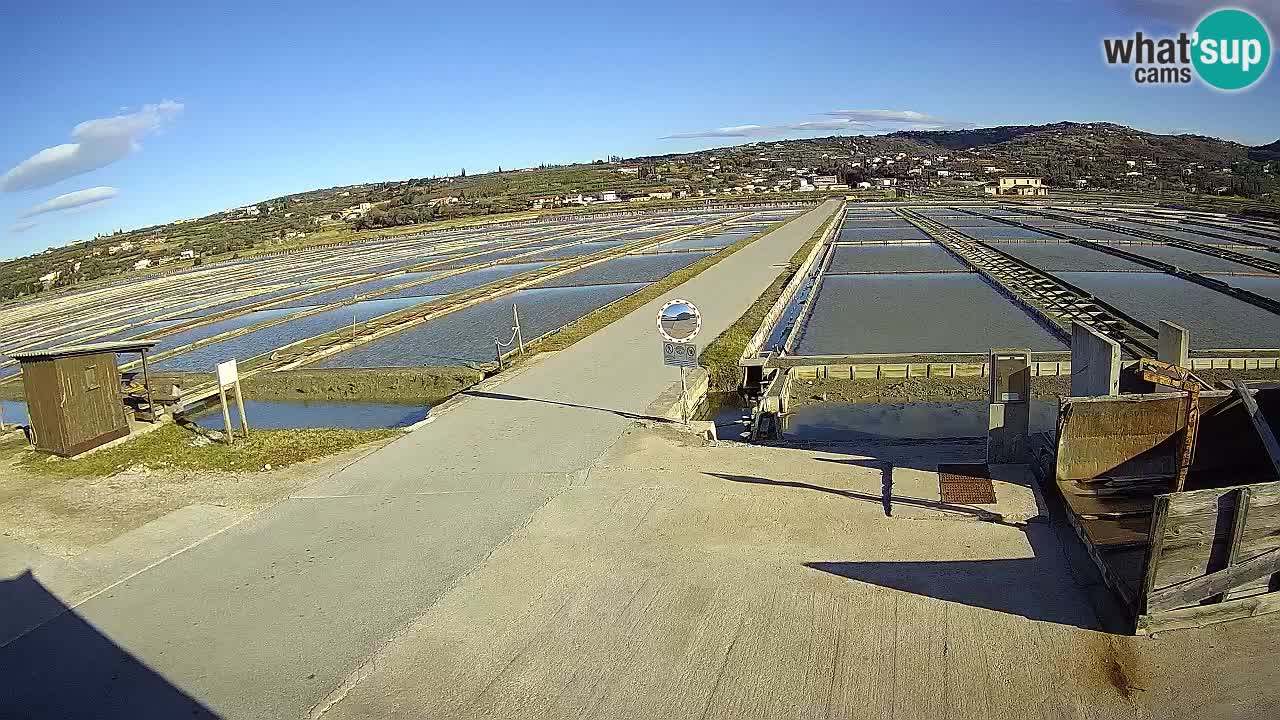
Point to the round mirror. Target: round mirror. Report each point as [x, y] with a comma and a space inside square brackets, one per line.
[679, 320]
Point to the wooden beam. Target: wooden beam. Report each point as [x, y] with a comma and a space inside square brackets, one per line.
[1260, 424]
[1198, 616]
[1197, 589]
[1155, 546]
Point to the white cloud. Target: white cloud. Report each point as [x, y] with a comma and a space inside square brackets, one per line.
[862, 121]
[77, 199]
[743, 131]
[887, 116]
[98, 143]
[21, 227]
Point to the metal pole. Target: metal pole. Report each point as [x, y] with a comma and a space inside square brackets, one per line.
[519, 333]
[684, 399]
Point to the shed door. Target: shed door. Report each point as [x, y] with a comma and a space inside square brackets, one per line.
[93, 402]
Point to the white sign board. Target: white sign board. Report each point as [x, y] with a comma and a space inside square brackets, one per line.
[227, 373]
[680, 354]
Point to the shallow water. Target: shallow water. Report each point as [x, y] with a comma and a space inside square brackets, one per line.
[916, 313]
[899, 232]
[15, 412]
[1062, 256]
[467, 280]
[627, 269]
[1189, 259]
[290, 414]
[1215, 320]
[345, 294]
[257, 342]
[467, 336]
[928, 257]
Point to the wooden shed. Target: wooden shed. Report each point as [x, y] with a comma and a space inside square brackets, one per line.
[74, 397]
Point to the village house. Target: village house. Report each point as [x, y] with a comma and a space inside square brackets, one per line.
[1020, 185]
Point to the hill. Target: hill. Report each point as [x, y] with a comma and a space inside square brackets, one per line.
[1068, 154]
[1265, 153]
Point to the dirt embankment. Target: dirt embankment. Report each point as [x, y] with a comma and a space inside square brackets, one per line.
[423, 385]
[937, 389]
[946, 389]
[419, 385]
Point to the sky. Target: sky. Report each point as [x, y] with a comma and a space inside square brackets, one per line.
[128, 114]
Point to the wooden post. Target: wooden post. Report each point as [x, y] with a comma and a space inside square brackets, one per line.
[146, 385]
[244, 421]
[1189, 435]
[226, 415]
[519, 333]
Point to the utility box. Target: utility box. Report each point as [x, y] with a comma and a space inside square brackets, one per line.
[1010, 410]
[74, 399]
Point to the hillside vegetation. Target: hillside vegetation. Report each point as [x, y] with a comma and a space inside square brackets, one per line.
[1089, 156]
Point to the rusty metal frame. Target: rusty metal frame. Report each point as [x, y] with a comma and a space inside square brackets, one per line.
[1168, 375]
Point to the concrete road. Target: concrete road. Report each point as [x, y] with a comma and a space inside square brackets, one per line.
[679, 581]
[273, 617]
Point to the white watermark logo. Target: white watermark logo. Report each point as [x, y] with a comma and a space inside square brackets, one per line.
[1230, 49]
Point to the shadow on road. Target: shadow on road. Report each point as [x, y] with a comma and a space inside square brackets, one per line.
[1038, 588]
[67, 668]
[619, 413]
[886, 499]
[1041, 587]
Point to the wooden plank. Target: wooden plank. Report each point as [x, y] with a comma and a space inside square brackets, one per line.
[1155, 549]
[1237, 532]
[1109, 533]
[1090, 503]
[1193, 591]
[1199, 532]
[1198, 616]
[1109, 575]
[1260, 423]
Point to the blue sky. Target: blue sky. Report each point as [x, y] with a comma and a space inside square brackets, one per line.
[187, 108]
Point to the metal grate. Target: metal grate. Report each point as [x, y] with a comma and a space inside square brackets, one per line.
[966, 484]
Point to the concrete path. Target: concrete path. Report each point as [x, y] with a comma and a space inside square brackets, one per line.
[276, 616]
[679, 581]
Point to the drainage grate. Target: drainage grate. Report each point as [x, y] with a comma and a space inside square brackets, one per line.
[966, 484]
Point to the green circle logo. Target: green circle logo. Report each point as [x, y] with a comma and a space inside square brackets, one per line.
[1232, 49]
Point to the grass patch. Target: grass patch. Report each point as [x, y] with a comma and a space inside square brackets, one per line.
[721, 357]
[173, 447]
[604, 316]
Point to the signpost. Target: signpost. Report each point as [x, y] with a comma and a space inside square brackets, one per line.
[679, 321]
[682, 355]
[228, 378]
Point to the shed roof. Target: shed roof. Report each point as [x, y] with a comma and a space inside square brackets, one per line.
[93, 349]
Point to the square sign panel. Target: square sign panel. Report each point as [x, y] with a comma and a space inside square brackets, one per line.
[679, 354]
